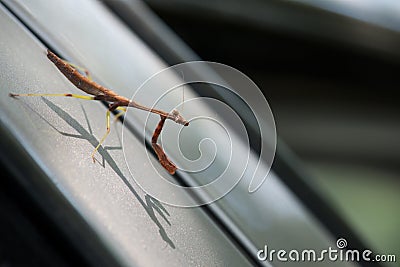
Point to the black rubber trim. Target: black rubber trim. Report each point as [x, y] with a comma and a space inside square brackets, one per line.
[290, 173]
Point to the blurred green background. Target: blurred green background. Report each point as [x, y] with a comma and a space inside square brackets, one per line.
[330, 71]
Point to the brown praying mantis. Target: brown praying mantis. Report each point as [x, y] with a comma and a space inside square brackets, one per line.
[117, 102]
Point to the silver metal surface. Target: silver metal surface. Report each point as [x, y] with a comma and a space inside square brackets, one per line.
[60, 133]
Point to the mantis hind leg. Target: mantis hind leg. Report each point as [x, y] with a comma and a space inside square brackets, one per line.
[85, 97]
[66, 95]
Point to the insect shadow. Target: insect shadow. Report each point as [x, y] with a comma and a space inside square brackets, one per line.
[150, 204]
[97, 92]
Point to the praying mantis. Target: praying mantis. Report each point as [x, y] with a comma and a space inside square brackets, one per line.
[117, 102]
